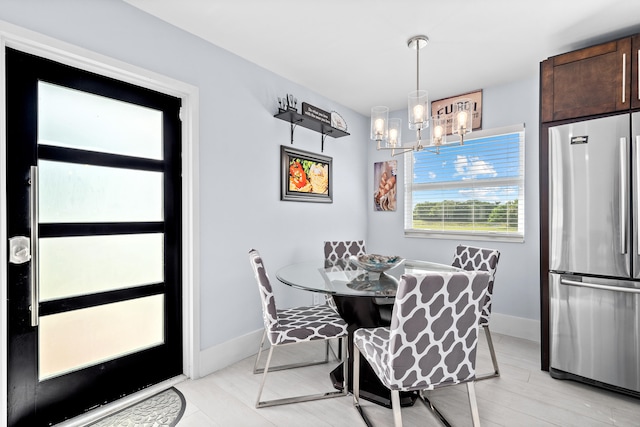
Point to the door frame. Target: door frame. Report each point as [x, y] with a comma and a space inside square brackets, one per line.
[47, 47]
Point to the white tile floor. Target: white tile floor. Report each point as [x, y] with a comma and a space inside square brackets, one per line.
[523, 396]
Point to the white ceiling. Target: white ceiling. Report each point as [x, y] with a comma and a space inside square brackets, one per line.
[354, 51]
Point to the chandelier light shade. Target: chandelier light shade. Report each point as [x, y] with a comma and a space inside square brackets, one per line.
[418, 109]
[395, 133]
[438, 130]
[379, 124]
[462, 116]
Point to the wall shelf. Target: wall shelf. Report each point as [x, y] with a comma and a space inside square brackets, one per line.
[296, 119]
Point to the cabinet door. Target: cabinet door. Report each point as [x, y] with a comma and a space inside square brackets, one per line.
[586, 82]
[635, 71]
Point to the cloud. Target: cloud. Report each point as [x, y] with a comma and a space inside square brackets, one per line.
[469, 167]
[432, 175]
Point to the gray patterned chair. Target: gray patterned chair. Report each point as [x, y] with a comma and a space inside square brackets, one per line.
[431, 342]
[471, 258]
[292, 326]
[343, 249]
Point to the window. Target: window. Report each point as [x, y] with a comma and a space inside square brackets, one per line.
[475, 190]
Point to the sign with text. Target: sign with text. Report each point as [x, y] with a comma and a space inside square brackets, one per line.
[445, 107]
[316, 113]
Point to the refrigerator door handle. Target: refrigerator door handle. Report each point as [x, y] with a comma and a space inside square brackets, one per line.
[623, 195]
[637, 189]
[600, 287]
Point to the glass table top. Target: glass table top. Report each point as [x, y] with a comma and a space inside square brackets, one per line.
[344, 278]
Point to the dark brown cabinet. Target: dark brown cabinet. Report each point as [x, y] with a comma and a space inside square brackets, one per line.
[590, 81]
[635, 71]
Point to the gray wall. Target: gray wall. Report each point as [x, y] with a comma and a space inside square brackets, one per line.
[239, 164]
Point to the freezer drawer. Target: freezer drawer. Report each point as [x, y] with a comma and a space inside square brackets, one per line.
[595, 329]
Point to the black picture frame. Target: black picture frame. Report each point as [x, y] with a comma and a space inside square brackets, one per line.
[305, 176]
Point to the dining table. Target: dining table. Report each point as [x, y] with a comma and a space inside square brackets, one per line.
[364, 299]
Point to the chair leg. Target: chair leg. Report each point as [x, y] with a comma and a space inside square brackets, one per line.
[264, 376]
[356, 377]
[356, 385]
[295, 399]
[395, 404]
[257, 370]
[255, 365]
[494, 360]
[344, 344]
[433, 409]
[475, 415]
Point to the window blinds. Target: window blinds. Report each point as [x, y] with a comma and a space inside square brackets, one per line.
[474, 190]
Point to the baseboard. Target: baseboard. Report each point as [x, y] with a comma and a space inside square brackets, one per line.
[222, 355]
[518, 327]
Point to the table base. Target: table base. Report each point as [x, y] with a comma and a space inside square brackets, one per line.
[373, 391]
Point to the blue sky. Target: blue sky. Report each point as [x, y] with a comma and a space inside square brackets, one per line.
[475, 161]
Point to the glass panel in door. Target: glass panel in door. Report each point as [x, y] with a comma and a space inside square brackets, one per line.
[77, 119]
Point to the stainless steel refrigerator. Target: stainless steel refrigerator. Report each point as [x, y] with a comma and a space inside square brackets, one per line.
[594, 278]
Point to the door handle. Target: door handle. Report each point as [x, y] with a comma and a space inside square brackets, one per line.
[600, 287]
[35, 269]
[19, 250]
[637, 191]
[623, 196]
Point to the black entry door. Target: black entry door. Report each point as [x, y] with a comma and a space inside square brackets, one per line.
[94, 285]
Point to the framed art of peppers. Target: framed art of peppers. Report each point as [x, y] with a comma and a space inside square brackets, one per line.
[305, 176]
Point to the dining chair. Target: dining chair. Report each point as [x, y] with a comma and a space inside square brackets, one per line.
[431, 342]
[343, 249]
[473, 258]
[293, 326]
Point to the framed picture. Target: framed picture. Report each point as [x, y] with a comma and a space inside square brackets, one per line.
[305, 176]
[385, 176]
[445, 107]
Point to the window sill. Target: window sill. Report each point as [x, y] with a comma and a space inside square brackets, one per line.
[453, 235]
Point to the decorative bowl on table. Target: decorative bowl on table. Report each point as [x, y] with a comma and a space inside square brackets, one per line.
[375, 263]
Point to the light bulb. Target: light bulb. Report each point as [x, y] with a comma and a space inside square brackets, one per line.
[393, 137]
[418, 113]
[438, 132]
[462, 118]
[378, 125]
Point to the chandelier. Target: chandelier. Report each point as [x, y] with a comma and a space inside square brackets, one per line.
[456, 119]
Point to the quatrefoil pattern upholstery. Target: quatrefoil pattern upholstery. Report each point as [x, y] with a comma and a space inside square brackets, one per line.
[472, 258]
[334, 251]
[433, 334]
[318, 322]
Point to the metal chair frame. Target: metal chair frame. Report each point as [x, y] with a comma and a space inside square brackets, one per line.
[494, 360]
[485, 327]
[395, 399]
[294, 320]
[257, 370]
[303, 398]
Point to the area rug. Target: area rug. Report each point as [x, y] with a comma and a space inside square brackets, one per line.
[161, 410]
